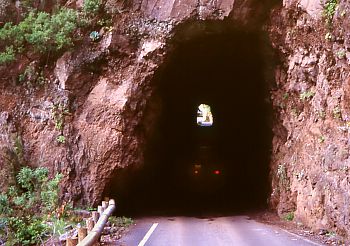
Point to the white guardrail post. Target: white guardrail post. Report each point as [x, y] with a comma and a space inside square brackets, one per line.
[94, 233]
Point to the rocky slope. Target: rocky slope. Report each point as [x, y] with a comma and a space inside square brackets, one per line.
[310, 148]
[99, 97]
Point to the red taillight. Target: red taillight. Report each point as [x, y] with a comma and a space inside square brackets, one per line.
[217, 172]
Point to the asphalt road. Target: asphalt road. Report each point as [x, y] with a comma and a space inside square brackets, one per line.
[209, 231]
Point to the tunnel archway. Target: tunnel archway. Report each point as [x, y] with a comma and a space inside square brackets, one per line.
[215, 64]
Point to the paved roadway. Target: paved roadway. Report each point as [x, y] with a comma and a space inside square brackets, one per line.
[215, 231]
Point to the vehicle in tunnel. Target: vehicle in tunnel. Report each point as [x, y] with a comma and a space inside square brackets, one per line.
[207, 174]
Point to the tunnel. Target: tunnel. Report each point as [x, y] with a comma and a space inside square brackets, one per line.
[217, 65]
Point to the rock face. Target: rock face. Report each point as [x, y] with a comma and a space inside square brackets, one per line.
[181, 10]
[91, 118]
[310, 160]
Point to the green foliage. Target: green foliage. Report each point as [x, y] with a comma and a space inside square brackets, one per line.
[37, 30]
[92, 6]
[94, 36]
[18, 148]
[27, 6]
[25, 208]
[341, 54]
[120, 221]
[7, 56]
[63, 24]
[32, 75]
[329, 10]
[8, 32]
[61, 139]
[4, 203]
[337, 113]
[106, 22]
[25, 179]
[289, 216]
[321, 139]
[28, 230]
[91, 209]
[331, 234]
[307, 95]
[42, 31]
[13, 161]
[58, 113]
[49, 194]
[59, 124]
[58, 226]
[47, 32]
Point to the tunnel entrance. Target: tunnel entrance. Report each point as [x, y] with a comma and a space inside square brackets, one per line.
[222, 67]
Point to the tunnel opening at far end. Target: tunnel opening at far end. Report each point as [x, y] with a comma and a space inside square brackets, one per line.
[219, 167]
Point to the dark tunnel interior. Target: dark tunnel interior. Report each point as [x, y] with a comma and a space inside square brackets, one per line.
[224, 70]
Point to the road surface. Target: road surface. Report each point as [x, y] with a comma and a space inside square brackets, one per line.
[215, 231]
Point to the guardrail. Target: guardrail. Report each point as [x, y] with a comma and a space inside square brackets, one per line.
[89, 235]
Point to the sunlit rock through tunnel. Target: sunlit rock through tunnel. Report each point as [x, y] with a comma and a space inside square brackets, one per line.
[210, 147]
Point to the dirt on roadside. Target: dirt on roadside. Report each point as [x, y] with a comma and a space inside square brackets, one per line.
[323, 237]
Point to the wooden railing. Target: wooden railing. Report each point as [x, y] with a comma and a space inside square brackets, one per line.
[89, 235]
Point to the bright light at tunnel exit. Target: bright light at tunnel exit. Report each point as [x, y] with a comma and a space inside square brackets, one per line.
[204, 115]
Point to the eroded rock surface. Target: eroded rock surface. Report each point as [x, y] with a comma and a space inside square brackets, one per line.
[311, 136]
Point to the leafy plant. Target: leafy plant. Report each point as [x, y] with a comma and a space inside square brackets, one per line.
[64, 23]
[91, 209]
[321, 139]
[61, 139]
[59, 124]
[120, 221]
[285, 96]
[306, 95]
[25, 208]
[13, 161]
[329, 10]
[42, 31]
[58, 226]
[94, 36]
[331, 234]
[106, 22]
[337, 113]
[8, 55]
[92, 6]
[32, 74]
[289, 216]
[341, 53]
[58, 113]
